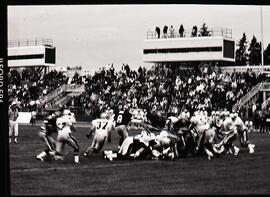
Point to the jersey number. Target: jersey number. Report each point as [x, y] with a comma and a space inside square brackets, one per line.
[119, 119]
[102, 125]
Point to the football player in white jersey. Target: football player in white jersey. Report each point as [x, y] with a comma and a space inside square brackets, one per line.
[230, 134]
[205, 135]
[65, 126]
[242, 132]
[133, 147]
[165, 146]
[101, 129]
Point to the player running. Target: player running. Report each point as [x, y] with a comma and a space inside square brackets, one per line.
[45, 134]
[65, 125]
[101, 128]
[242, 132]
[229, 132]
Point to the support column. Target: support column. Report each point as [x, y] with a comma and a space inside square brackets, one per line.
[246, 112]
[264, 96]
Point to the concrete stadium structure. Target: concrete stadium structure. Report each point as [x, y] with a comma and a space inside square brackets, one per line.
[31, 53]
[218, 46]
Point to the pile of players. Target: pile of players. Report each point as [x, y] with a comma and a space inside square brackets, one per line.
[199, 135]
[160, 138]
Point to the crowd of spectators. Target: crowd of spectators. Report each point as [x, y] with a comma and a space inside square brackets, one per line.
[172, 33]
[169, 89]
[29, 85]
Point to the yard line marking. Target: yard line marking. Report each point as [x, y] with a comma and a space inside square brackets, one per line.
[78, 166]
[21, 155]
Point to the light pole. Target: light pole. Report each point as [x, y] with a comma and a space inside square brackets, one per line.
[262, 37]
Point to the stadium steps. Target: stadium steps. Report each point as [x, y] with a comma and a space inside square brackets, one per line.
[52, 95]
[61, 94]
[65, 99]
[253, 95]
[52, 102]
[266, 103]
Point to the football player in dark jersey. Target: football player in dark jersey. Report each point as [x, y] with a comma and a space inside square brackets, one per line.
[122, 118]
[156, 119]
[47, 129]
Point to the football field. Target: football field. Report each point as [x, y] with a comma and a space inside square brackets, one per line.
[229, 174]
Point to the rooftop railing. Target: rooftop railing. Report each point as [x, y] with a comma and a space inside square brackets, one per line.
[33, 42]
[224, 32]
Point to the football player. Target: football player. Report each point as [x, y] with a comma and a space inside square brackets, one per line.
[242, 132]
[164, 147]
[122, 118]
[229, 132]
[206, 135]
[101, 128]
[133, 147]
[65, 125]
[47, 129]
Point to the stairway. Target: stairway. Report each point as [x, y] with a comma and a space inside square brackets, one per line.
[52, 95]
[253, 95]
[64, 100]
[61, 95]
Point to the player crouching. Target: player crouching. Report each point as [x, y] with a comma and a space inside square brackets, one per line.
[165, 147]
[133, 147]
[144, 146]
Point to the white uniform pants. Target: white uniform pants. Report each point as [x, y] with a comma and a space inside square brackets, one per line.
[13, 128]
[65, 137]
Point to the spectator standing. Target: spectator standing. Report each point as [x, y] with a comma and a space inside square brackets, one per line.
[181, 30]
[165, 31]
[194, 31]
[254, 109]
[13, 114]
[158, 32]
[262, 121]
[171, 32]
[267, 120]
[257, 120]
[33, 117]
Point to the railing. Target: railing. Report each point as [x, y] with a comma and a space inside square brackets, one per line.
[225, 32]
[34, 42]
[248, 96]
[56, 99]
[74, 88]
[53, 94]
[265, 86]
[66, 98]
[265, 103]
[60, 90]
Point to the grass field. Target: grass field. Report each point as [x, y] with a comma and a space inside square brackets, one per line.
[242, 174]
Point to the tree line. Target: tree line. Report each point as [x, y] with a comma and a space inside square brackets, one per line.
[247, 53]
[250, 53]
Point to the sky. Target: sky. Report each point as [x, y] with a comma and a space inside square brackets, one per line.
[92, 36]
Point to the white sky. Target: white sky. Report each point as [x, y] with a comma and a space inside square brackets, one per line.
[97, 35]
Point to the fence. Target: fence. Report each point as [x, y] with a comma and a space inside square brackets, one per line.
[33, 42]
[225, 32]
